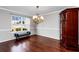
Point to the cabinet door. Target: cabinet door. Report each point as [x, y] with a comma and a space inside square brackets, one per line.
[72, 27]
[63, 28]
[71, 22]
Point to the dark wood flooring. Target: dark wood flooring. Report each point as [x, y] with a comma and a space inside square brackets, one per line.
[33, 43]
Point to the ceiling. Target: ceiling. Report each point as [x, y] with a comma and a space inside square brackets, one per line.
[32, 10]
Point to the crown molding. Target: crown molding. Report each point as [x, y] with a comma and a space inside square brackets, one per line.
[58, 11]
[23, 14]
[14, 12]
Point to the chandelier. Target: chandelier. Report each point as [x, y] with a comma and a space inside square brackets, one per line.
[37, 18]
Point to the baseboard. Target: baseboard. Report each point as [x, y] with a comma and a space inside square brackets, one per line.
[6, 40]
[30, 35]
[45, 37]
[48, 37]
[13, 39]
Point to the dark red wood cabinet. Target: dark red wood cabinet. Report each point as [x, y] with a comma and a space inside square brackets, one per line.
[69, 28]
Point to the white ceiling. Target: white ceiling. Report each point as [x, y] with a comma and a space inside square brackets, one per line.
[32, 10]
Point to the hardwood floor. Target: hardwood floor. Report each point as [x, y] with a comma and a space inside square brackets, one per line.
[33, 43]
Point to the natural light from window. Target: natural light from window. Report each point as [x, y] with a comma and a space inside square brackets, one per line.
[20, 23]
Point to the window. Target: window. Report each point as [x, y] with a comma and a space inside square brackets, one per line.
[20, 23]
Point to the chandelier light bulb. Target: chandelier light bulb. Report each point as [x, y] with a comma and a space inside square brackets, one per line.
[38, 19]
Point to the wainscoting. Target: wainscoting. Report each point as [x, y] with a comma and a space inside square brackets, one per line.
[34, 43]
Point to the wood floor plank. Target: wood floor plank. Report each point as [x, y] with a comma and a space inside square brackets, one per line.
[33, 43]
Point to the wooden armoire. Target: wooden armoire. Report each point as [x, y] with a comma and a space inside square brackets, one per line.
[69, 28]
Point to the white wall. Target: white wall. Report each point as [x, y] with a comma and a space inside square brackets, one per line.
[33, 27]
[5, 26]
[5, 22]
[50, 27]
